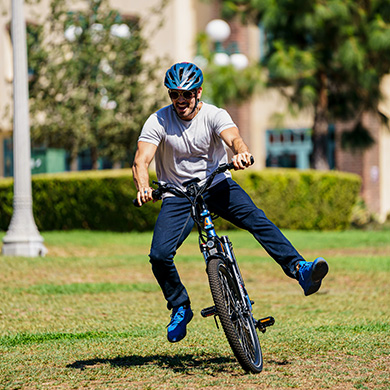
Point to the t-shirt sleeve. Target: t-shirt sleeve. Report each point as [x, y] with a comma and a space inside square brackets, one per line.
[152, 131]
[222, 121]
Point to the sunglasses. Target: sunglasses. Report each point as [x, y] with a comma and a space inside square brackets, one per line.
[188, 95]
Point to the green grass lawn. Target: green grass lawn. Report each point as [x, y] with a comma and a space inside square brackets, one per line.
[90, 316]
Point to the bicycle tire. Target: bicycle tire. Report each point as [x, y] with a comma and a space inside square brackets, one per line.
[238, 327]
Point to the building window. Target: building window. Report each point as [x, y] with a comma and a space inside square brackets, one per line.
[8, 158]
[292, 148]
[288, 148]
[264, 40]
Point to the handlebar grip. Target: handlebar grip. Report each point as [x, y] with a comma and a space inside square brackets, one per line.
[135, 202]
[231, 165]
[156, 194]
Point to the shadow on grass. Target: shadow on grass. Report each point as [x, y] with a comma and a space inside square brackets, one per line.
[177, 363]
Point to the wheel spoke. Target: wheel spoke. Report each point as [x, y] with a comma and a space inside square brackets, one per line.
[246, 338]
[238, 320]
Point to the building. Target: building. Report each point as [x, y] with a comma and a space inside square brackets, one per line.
[183, 20]
[372, 164]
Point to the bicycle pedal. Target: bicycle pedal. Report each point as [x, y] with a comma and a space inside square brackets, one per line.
[263, 323]
[208, 312]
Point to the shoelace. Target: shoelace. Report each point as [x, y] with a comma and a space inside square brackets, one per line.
[176, 317]
[303, 269]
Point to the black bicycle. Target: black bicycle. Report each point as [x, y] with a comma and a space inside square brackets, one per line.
[231, 300]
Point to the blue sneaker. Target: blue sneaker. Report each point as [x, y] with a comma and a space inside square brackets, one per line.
[177, 328]
[310, 275]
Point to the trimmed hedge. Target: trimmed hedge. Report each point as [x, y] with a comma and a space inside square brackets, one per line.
[307, 200]
[102, 200]
[96, 200]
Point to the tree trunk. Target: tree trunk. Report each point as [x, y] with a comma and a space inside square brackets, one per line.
[94, 158]
[320, 128]
[73, 164]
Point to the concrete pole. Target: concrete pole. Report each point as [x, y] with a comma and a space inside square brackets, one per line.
[22, 238]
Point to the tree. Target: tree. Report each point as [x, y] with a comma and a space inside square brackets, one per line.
[327, 54]
[89, 83]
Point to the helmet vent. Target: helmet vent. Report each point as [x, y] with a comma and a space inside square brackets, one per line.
[183, 75]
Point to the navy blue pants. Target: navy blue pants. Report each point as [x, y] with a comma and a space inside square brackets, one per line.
[232, 203]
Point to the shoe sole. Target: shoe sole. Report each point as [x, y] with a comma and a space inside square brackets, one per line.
[320, 270]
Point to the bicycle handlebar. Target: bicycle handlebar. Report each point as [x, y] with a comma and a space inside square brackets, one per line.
[158, 192]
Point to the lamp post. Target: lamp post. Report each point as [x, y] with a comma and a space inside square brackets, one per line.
[219, 31]
[22, 238]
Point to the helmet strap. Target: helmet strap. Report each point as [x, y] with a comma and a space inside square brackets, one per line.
[196, 101]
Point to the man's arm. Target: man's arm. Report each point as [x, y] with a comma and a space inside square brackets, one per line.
[241, 155]
[143, 157]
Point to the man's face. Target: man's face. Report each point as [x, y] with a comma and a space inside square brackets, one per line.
[184, 102]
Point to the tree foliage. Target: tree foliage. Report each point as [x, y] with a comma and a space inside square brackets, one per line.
[89, 82]
[333, 53]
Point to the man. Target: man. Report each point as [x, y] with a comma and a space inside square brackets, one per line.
[187, 140]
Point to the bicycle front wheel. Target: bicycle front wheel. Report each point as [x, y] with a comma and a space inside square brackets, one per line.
[237, 324]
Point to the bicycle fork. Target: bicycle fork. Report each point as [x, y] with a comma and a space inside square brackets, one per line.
[262, 323]
[223, 248]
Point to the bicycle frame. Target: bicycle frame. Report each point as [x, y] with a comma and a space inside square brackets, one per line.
[210, 243]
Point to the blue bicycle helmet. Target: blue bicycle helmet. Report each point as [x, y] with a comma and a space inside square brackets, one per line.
[183, 75]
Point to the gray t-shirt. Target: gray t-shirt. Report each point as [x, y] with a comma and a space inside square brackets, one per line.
[188, 149]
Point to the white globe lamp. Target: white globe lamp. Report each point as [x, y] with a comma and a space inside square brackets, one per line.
[221, 59]
[239, 61]
[218, 30]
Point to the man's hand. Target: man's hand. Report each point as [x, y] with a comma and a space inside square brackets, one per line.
[144, 195]
[241, 160]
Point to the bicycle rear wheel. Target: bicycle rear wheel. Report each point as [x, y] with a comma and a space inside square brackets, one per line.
[237, 324]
